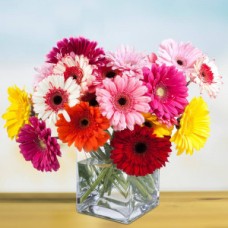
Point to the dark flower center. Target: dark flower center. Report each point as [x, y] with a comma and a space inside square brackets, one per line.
[206, 74]
[84, 122]
[91, 98]
[57, 99]
[93, 102]
[75, 72]
[122, 101]
[180, 62]
[140, 148]
[178, 126]
[148, 124]
[110, 74]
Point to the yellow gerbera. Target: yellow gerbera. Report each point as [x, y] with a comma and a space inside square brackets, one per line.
[160, 129]
[194, 127]
[17, 114]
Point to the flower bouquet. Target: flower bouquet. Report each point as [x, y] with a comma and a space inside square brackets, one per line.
[121, 110]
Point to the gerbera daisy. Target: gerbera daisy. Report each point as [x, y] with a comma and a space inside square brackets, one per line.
[78, 68]
[168, 91]
[122, 101]
[43, 72]
[101, 74]
[181, 55]
[139, 152]
[206, 75]
[37, 145]
[51, 95]
[194, 127]
[128, 61]
[86, 128]
[158, 128]
[17, 114]
[79, 46]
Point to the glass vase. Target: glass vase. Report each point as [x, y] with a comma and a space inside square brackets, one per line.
[107, 192]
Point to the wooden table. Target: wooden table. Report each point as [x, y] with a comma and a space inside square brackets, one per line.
[176, 209]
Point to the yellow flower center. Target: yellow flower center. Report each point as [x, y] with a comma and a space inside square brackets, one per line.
[160, 92]
[42, 145]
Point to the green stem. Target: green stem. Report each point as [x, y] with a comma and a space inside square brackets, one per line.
[146, 183]
[140, 187]
[94, 185]
[107, 182]
[151, 181]
[122, 182]
[102, 154]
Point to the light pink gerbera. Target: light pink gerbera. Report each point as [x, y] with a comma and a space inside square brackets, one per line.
[128, 61]
[79, 46]
[37, 145]
[43, 72]
[168, 91]
[206, 75]
[78, 68]
[122, 101]
[181, 55]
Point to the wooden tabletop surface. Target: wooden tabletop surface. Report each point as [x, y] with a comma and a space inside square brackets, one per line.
[176, 209]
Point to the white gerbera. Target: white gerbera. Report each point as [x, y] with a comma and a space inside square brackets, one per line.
[206, 75]
[78, 68]
[51, 94]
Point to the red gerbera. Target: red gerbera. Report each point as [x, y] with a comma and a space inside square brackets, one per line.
[86, 128]
[78, 46]
[139, 152]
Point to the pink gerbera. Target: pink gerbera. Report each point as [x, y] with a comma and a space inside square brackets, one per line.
[128, 61]
[206, 75]
[78, 46]
[102, 73]
[181, 55]
[43, 72]
[123, 101]
[37, 145]
[168, 91]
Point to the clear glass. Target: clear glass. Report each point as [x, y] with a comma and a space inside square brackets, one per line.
[107, 192]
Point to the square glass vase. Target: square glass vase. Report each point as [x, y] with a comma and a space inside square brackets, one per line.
[107, 192]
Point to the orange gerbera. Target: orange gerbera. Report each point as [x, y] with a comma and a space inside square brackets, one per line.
[86, 128]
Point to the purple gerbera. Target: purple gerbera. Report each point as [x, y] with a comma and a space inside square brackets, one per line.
[37, 145]
[168, 91]
[78, 46]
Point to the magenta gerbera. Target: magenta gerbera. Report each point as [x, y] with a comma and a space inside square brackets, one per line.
[181, 55]
[123, 101]
[128, 61]
[168, 91]
[78, 46]
[37, 145]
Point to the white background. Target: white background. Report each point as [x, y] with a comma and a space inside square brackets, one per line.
[29, 29]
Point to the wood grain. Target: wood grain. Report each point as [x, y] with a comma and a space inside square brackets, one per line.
[176, 209]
